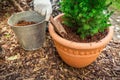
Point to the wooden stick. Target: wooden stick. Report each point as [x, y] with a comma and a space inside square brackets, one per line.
[58, 27]
[16, 4]
[28, 5]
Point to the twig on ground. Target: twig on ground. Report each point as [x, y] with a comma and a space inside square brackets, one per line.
[18, 5]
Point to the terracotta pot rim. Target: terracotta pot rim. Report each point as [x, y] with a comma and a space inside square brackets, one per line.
[78, 45]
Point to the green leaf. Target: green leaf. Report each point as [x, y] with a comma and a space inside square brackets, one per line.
[83, 36]
[81, 4]
[86, 27]
[83, 20]
[94, 31]
[78, 30]
[85, 9]
[80, 15]
[91, 14]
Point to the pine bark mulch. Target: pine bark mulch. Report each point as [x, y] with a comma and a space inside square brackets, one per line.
[45, 63]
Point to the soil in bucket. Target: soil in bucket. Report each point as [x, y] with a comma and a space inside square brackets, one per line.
[24, 23]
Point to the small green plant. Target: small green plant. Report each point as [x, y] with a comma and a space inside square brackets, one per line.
[86, 17]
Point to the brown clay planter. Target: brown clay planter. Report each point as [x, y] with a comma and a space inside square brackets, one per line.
[78, 54]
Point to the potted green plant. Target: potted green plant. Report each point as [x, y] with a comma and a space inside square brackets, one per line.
[88, 20]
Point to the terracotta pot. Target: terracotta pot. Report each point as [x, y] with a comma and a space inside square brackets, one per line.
[78, 54]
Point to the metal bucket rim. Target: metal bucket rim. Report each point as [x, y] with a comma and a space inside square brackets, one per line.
[26, 25]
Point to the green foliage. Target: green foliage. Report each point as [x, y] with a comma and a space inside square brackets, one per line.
[87, 17]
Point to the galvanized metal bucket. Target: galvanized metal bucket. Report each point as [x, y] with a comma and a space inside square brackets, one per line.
[30, 37]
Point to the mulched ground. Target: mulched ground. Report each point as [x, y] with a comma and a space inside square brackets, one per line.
[45, 63]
